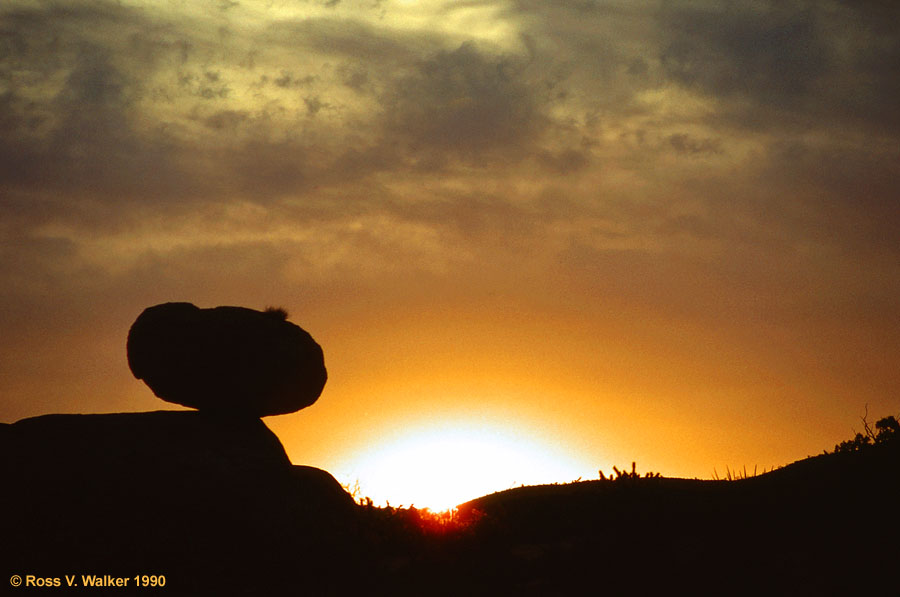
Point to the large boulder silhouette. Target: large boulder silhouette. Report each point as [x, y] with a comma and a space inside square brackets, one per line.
[208, 499]
[211, 501]
[226, 359]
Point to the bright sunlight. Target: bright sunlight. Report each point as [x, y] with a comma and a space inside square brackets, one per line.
[443, 467]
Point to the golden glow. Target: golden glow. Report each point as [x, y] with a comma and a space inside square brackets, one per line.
[629, 256]
[441, 467]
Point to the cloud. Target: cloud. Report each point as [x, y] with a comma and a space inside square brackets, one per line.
[774, 54]
[350, 38]
[288, 79]
[73, 126]
[227, 119]
[786, 64]
[567, 161]
[686, 144]
[124, 117]
[135, 107]
[463, 103]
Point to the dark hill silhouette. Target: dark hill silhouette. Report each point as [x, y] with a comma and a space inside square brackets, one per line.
[821, 526]
[213, 504]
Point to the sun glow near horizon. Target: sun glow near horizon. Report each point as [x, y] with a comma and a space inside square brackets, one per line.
[443, 466]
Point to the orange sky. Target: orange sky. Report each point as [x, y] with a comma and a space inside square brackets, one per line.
[665, 233]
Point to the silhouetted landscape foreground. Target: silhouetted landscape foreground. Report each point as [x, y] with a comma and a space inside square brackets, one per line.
[209, 500]
[214, 504]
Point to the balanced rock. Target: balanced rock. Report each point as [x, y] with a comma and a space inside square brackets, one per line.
[227, 359]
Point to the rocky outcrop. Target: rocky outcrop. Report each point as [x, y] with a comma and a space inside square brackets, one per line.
[162, 442]
[210, 501]
[226, 359]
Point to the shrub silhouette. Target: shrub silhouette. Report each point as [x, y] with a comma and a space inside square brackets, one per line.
[277, 313]
[626, 476]
[886, 432]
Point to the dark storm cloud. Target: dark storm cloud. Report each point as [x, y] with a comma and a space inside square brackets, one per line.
[817, 83]
[770, 66]
[81, 124]
[790, 63]
[98, 135]
[77, 136]
[83, 138]
[464, 103]
[141, 111]
[774, 55]
[593, 54]
[435, 103]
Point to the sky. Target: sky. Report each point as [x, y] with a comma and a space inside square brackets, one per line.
[663, 232]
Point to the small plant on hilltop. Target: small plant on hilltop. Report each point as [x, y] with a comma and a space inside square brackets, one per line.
[276, 313]
[886, 432]
[624, 476]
